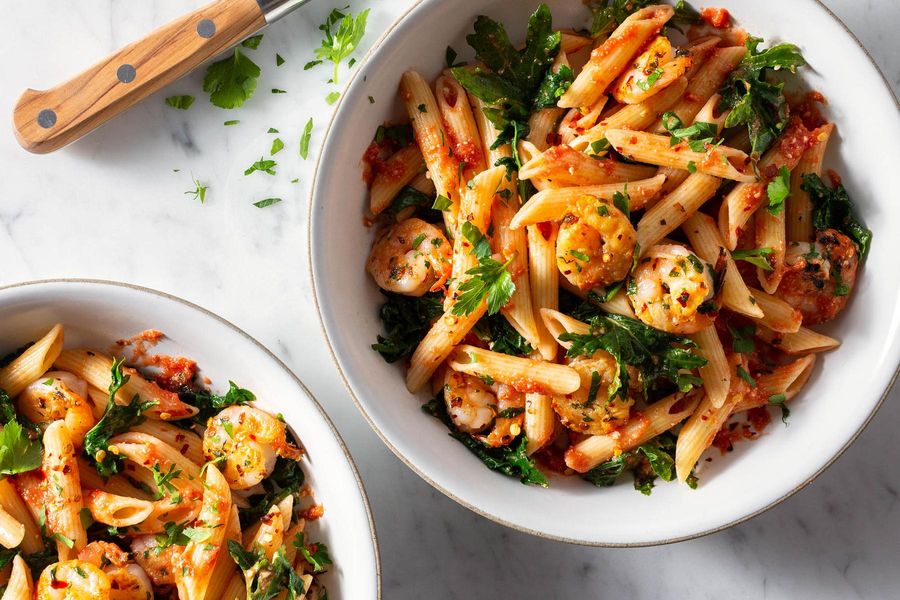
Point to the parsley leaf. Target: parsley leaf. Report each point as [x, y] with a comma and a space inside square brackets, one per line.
[501, 336]
[779, 401]
[18, 452]
[406, 320]
[754, 256]
[266, 202]
[553, 87]
[304, 139]
[510, 460]
[491, 280]
[231, 82]
[252, 42]
[646, 84]
[515, 83]
[116, 419]
[199, 191]
[409, 196]
[657, 355]
[163, 481]
[648, 461]
[833, 209]
[778, 190]
[339, 45]
[332, 97]
[209, 405]
[315, 554]
[697, 136]
[182, 102]
[277, 146]
[743, 374]
[755, 102]
[742, 339]
[481, 248]
[263, 165]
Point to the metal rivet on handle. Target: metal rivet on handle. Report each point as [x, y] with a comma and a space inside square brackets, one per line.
[46, 118]
[126, 73]
[206, 28]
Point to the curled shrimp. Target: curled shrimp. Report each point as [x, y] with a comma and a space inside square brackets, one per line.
[474, 405]
[669, 289]
[59, 395]
[156, 562]
[819, 276]
[248, 440]
[128, 580]
[73, 580]
[590, 410]
[470, 402]
[411, 258]
[595, 244]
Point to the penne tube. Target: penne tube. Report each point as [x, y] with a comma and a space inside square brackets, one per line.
[540, 421]
[787, 379]
[12, 532]
[432, 140]
[475, 210]
[20, 585]
[118, 511]
[225, 567]
[553, 204]
[742, 202]
[115, 484]
[701, 428]
[563, 166]
[669, 213]
[720, 161]
[511, 244]
[710, 114]
[96, 369]
[801, 341]
[543, 123]
[544, 280]
[612, 57]
[657, 418]
[399, 170]
[706, 240]
[636, 117]
[14, 507]
[770, 233]
[194, 566]
[558, 323]
[151, 452]
[704, 82]
[570, 42]
[186, 442]
[798, 219]
[777, 314]
[62, 491]
[459, 122]
[438, 343]
[32, 363]
[535, 375]
[617, 305]
[577, 121]
[716, 373]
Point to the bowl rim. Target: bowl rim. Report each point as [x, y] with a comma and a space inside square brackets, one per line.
[311, 263]
[259, 345]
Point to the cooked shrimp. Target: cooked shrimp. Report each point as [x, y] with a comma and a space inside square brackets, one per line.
[819, 276]
[248, 439]
[59, 395]
[510, 418]
[595, 244]
[471, 404]
[128, 581]
[411, 258]
[651, 72]
[669, 288]
[596, 413]
[156, 562]
[73, 580]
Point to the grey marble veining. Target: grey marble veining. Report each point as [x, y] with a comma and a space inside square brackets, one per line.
[113, 207]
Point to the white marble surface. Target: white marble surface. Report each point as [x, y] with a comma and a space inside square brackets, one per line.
[111, 207]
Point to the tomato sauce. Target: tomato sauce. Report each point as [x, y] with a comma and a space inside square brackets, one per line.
[719, 18]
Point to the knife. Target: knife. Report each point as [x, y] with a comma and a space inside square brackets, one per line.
[47, 120]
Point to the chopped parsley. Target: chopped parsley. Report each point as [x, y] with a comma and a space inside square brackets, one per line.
[315, 554]
[199, 191]
[277, 146]
[646, 84]
[181, 102]
[332, 97]
[609, 14]
[442, 203]
[743, 374]
[779, 401]
[697, 136]
[263, 165]
[266, 202]
[778, 190]
[231, 82]
[755, 256]
[304, 139]
[489, 281]
[252, 42]
[340, 43]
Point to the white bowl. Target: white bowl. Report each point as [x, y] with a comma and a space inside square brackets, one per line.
[96, 313]
[843, 393]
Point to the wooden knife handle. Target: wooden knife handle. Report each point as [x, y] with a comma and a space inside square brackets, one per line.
[47, 120]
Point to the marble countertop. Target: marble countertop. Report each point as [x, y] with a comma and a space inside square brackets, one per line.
[113, 207]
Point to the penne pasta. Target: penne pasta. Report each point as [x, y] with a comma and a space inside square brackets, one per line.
[399, 170]
[716, 374]
[787, 379]
[32, 363]
[12, 532]
[798, 207]
[720, 161]
[657, 418]
[799, 342]
[118, 511]
[62, 491]
[540, 421]
[563, 166]
[544, 280]
[610, 59]
[525, 373]
[778, 315]
[552, 204]
[459, 122]
[669, 213]
[20, 585]
[16, 509]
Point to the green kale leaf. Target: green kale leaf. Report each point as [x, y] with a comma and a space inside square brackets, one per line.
[406, 320]
[833, 209]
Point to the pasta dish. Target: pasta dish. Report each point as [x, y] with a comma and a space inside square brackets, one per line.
[121, 483]
[604, 252]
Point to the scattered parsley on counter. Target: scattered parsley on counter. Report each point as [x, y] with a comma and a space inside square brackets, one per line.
[304, 139]
[278, 60]
[266, 202]
[262, 165]
[199, 191]
[339, 44]
[252, 42]
[182, 102]
[231, 82]
[230, 123]
[277, 146]
[332, 97]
